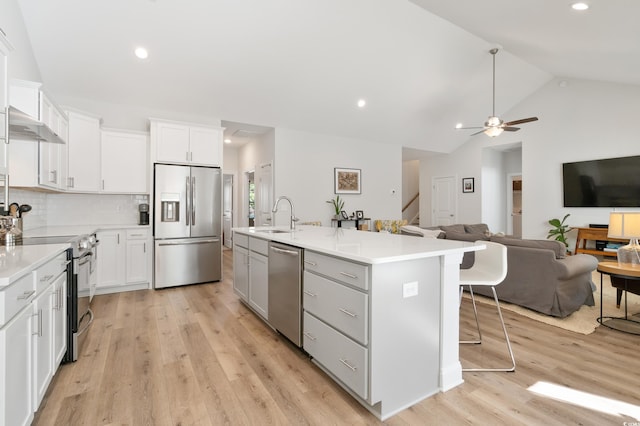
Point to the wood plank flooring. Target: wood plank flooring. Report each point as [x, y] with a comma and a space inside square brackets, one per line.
[195, 355]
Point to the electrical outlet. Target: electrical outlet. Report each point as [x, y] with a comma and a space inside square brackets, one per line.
[410, 289]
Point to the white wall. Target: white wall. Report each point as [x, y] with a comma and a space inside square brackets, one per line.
[579, 120]
[21, 62]
[494, 196]
[304, 172]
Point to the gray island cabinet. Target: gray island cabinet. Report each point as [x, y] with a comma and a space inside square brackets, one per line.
[380, 311]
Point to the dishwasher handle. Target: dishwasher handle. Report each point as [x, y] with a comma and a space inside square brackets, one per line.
[287, 252]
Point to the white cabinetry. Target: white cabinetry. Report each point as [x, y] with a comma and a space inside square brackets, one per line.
[124, 160]
[5, 48]
[83, 153]
[336, 318]
[184, 143]
[125, 260]
[259, 276]
[32, 338]
[241, 266]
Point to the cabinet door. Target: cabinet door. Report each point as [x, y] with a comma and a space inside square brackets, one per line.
[205, 146]
[42, 345]
[15, 364]
[259, 283]
[124, 161]
[137, 261]
[83, 153]
[172, 142]
[59, 319]
[112, 258]
[241, 272]
[48, 164]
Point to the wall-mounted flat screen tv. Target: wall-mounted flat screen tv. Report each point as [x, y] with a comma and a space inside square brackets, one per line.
[611, 182]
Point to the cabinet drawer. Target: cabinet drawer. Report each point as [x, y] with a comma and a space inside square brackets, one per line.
[137, 234]
[259, 246]
[344, 308]
[351, 273]
[45, 275]
[346, 359]
[241, 240]
[15, 297]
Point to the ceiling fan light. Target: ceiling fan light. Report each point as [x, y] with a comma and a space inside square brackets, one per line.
[493, 131]
[493, 121]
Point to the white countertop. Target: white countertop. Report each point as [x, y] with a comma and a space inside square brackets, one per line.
[16, 261]
[73, 230]
[362, 246]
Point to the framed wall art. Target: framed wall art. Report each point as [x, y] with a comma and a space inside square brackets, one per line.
[347, 181]
[468, 185]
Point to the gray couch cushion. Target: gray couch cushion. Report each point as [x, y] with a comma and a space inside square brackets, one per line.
[436, 228]
[453, 228]
[478, 228]
[464, 236]
[559, 249]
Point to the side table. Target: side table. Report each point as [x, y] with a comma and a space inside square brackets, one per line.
[628, 272]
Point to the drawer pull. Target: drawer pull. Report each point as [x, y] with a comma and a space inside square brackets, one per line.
[26, 295]
[344, 311]
[308, 262]
[348, 275]
[308, 293]
[349, 366]
[46, 278]
[310, 336]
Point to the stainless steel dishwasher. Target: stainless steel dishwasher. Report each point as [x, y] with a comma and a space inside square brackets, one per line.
[285, 290]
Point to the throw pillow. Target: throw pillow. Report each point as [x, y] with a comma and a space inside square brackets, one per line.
[415, 230]
[478, 228]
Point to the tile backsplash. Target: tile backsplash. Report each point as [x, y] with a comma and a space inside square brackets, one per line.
[52, 209]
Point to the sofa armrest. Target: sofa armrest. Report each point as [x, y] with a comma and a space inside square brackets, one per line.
[571, 266]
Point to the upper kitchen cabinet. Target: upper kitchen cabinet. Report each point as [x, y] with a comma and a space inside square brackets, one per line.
[84, 153]
[184, 143]
[125, 162]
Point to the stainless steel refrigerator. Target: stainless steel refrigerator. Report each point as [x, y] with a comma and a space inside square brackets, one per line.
[187, 225]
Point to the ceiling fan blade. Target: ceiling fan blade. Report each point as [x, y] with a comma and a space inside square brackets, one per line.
[470, 128]
[477, 133]
[511, 129]
[521, 121]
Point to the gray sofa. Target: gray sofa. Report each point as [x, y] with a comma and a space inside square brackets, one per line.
[540, 275]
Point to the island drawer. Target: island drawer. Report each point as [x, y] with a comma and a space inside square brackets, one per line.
[46, 274]
[342, 307]
[241, 240]
[137, 234]
[345, 271]
[343, 357]
[15, 297]
[259, 245]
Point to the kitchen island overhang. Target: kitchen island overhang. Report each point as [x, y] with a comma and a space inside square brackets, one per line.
[412, 292]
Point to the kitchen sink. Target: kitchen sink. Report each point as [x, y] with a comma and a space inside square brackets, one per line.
[273, 231]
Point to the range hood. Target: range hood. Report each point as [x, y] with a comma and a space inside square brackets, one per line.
[22, 126]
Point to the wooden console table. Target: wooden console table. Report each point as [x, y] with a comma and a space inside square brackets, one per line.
[595, 234]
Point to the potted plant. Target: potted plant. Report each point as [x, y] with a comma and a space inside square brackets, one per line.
[338, 205]
[560, 230]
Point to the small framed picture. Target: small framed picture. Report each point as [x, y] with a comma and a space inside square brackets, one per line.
[359, 214]
[467, 185]
[346, 181]
[344, 215]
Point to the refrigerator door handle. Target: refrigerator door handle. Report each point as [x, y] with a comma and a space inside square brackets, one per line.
[187, 200]
[183, 243]
[193, 201]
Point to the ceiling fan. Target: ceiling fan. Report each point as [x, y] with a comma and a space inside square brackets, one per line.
[494, 126]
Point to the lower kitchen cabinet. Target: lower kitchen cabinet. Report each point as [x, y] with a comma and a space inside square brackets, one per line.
[59, 327]
[259, 276]
[42, 345]
[124, 260]
[241, 272]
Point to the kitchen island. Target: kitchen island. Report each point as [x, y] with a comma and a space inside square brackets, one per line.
[380, 310]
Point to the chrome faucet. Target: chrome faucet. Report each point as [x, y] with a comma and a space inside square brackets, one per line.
[294, 219]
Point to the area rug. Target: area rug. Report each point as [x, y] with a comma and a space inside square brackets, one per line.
[584, 320]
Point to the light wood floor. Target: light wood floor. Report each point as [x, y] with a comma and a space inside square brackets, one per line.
[195, 355]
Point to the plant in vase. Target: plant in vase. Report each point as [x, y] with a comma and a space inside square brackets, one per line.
[560, 230]
[338, 205]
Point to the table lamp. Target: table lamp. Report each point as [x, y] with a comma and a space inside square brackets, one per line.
[626, 225]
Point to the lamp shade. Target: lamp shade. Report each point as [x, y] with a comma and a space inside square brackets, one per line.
[624, 225]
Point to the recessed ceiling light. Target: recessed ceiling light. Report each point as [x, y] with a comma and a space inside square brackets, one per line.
[361, 103]
[459, 126]
[227, 140]
[141, 53]
[579, 6]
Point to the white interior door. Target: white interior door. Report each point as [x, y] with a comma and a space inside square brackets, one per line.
[264, 194]
[227, 209]
[443, 200]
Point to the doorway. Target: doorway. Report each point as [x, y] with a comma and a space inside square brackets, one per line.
[251, 198]
[227, 210]
[514, 205]
[444, 201]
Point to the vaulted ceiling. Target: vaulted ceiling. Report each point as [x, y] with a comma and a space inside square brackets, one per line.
[422, 65]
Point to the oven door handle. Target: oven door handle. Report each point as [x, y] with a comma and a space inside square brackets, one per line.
[84, 259]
